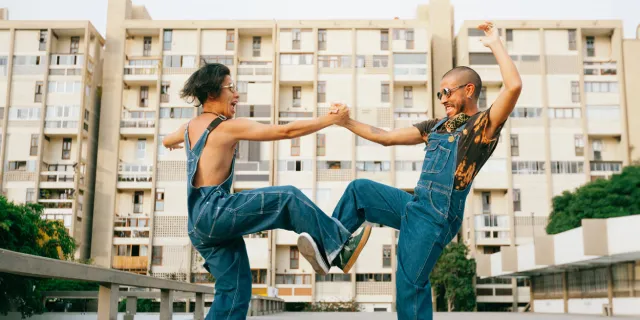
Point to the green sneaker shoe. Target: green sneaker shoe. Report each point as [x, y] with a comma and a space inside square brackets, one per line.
[351, 250]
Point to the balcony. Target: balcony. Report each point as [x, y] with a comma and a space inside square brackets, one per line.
[138, 124]
[605, 168]
[604, 120]
[132, 264]
[54, 126]
[133, 237]
[57, 176]
[134, 176]
[492, 230]
[410, 74]
[66, 65]
[255, 71]
[141, 72]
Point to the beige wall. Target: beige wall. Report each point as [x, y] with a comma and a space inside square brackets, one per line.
[562, 142]
[632, 80]
[370, 260]
[369, 90]
[556, 42]
[245, 50]
[533, 193]
[286, 99]
[214, 42]
[18, 144]
[128, 151]
[259, 93]
[336, 84]
[23, 90]
[368, 42]
[283, 262]
[174, 195]
[306, 40]
[27, 42]
[337, 147]
[63, 45]
[176, 83]
[339, 42]
[525, 42]
[603, 47]
[5, 37]
[124, 203]
[531, 143]
[183, 42]
[131, 98]
[498, 202]
[559, 90]
[307, 144]
[135, 46]
[53, 150]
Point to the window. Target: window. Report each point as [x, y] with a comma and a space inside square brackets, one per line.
[42, 43]
[293, 279]
[380, 61]
[596, 145]
[527, 167]
[373, 166]
[410, 58]
[226, 60]
[564, 113]
[486, 202]
[257, 43]
[579, 144]
[294, 258]
[156, 256]
[386, 256]
[334, 61]
[360, 61]
[384, 39]
[515, 146]
[295, 147]
[167, 38]
[296, 59]
[373, 277]
[294, 165]
[144, 96]
[242, 90]
[33, 150]
[296, 39]
[333, 277]
[410, 40]
[159, 199]
[408, 97]
[322, 91]
[17, 165]
[482, 100]
[517, 206]
[16, 113]
[591, 48]
[38, 92]
[572, 40]
[66, 148]
[141, 149]
[567, 167]
[259, 276]
[320, 144]
[74, 47]
[384, 92]
[604, 87]
[164, 92]
[526, 112]
[509, 35]
[297, 96]
[231, 38]
[482, 58]
[138, 199]
[322, 39]
[575, 91]
[31, 195]
[146, 47]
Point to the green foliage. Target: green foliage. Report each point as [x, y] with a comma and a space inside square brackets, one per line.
[600, 199]
[337, 306]
[23, 230]
[454, 274]
[143, 305]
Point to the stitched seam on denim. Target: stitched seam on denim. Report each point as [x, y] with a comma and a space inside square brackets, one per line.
[434, 207]
[245, 203]
[316, 215]
[195, 224]
[235, 296]
[424, 264]
[215, 219]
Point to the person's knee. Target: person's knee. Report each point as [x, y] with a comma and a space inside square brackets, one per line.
[358, 184]
[291, 190]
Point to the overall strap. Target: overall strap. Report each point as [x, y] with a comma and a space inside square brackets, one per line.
[439, 124]
[217, 121]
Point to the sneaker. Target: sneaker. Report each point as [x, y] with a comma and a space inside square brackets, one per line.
[351, 250]
[309, 250]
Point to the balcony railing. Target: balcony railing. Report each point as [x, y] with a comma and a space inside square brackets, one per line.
[66, 60]
[135, 173]
[130, 263]
[600, 68]
[131, 234]
[141, 70]
[606, 166]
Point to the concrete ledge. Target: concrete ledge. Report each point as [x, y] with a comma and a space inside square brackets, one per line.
[509, 259]
[594, 233]
[544, 251]
[483, 265]
[39, 267]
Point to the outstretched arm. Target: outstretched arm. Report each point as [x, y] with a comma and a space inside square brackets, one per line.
[512, 84]
[404, 136]
[174, 139]
[244, 129]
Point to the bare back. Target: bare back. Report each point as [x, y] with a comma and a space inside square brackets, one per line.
[215, 162]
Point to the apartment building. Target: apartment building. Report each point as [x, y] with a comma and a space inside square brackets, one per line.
[50, 73]
[568, 128]
[284, 71]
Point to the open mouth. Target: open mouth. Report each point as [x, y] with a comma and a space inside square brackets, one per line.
[233, 105]
[449, 109]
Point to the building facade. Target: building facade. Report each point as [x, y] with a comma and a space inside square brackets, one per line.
[49, 106]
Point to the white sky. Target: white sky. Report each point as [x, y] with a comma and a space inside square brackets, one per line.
[95, 10]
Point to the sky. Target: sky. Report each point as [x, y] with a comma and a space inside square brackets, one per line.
[95, 10]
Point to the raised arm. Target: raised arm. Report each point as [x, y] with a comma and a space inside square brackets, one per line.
[244, 129]
[404, 136]
[512, 84]
[174, 139]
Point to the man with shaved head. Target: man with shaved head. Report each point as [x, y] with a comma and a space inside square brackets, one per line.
[457, 146]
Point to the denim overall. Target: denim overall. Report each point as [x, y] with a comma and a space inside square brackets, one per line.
[218, 219]
[427, 220]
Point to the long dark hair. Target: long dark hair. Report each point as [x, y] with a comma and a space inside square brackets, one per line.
[204, 83]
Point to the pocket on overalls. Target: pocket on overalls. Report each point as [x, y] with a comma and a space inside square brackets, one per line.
[439, 202]
[435, 158]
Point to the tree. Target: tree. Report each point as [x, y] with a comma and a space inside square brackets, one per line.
[22, 230]
[454, 273]
[600, 199]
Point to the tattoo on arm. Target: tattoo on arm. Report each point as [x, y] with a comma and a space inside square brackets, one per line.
[376, 130]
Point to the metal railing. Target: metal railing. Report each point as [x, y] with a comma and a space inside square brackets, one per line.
[110, 281]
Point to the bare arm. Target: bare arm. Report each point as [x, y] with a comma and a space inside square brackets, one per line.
[174, 139]
[512, 84]
[244, 129]
[404, 136]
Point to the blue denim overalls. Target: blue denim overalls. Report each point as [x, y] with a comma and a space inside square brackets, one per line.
[427, 220]
[218, 219]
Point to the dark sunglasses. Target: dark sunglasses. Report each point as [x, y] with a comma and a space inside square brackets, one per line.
[447, 92]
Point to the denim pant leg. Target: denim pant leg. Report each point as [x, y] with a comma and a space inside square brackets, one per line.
[366, 200]
[419, 246]
[228, 262]
[279, 207]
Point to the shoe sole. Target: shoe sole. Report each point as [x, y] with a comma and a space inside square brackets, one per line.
[356, 253]
[309, 250]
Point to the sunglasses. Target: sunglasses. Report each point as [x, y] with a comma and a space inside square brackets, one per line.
[231, 87]
[447, 92]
